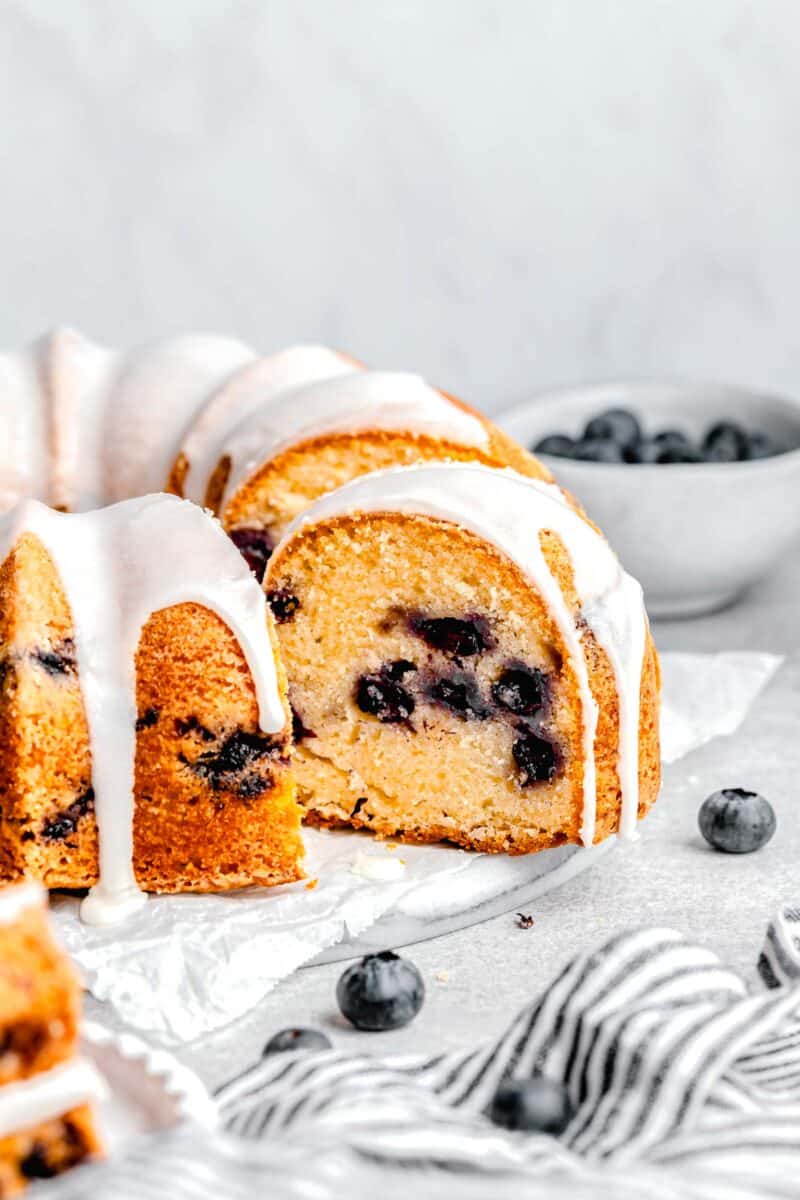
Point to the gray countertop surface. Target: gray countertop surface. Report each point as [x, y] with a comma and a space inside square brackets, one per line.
[478, 977]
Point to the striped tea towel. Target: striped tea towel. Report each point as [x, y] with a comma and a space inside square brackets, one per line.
[683, 1083]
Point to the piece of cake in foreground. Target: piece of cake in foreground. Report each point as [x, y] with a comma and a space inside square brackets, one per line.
[46, 1090]
[467, 661]
[144, 733]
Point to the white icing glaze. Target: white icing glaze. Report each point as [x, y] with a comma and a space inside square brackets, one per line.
[352, 402]
[254, 386]
[151, 400]
[510, 511]
[16, 900]
[105, 563]
[49, 1095]
[85, 426]
[74, 377]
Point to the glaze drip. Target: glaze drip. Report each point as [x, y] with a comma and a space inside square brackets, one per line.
[353, 402]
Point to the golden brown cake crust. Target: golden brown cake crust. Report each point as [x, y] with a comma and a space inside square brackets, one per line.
[356, 579]
[39, 998]
[39, 1015]
[286, 484]
[46, 1150]
[214, 797]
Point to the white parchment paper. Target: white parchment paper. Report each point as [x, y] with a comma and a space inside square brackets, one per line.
[186, 965]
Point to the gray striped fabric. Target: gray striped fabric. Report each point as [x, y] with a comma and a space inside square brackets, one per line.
[683, 1083]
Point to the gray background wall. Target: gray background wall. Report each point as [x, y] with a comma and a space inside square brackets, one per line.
[499, 194]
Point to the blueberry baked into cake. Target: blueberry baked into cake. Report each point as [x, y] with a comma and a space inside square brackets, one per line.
[47, 1092]
[467, 661]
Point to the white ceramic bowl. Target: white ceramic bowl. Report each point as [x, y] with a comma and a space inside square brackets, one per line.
[695, 535]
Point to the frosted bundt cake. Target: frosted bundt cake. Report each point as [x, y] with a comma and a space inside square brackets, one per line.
[254, 439]
[467, 661]
[46, 1090]
[144, 741]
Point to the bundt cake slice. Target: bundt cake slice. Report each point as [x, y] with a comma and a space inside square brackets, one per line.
[467, 661]
[287, 429]
[46, 1090]
[144, 740]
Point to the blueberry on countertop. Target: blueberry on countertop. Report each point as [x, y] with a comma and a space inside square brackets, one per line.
[616, 425]
[296, 1039]
[536, 1105]
[557, 444]
[736, 821]
[382, 991]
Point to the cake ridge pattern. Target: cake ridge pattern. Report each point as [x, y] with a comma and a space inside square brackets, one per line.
[90, 426]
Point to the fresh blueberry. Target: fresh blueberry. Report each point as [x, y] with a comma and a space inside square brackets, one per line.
[535, 759]
[736, 820]
[557, 444]
[459, 637]
[672, 446]
[255, 546]
[600, 450]
[384, 698]
[725, 442]
[459, 692]
[536, 1105]
[297, 1039]
[382, 991]
[671, 437]
[760, 446]
[521, 690]
[678, 454]
[615, 425]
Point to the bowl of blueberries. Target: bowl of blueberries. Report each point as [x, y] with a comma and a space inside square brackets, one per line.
[696, 485]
